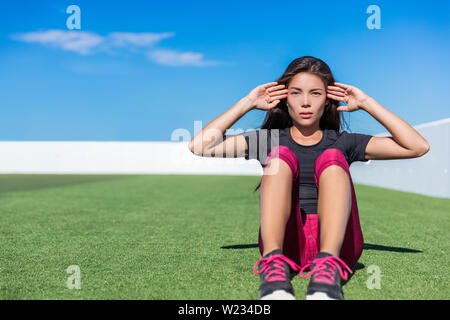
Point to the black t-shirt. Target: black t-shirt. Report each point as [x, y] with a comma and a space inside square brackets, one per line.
[260, 142]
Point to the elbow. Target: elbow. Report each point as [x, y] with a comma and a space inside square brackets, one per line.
[191, 147]
[424, 150]
[196, 150]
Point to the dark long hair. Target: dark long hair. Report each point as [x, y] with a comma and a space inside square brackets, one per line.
[279, 118]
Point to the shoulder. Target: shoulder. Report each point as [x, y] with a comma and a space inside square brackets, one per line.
[334, 135]
[353, 142]
[270, 136]
[343, 139]
[265, 132]
[343, 135]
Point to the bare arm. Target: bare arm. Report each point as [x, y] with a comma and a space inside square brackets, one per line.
[211, 140]
[405, 141]
[214, 132]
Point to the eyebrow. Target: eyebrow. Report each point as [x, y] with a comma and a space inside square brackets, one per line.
[309, 90]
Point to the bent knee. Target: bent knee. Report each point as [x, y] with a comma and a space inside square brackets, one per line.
[334, 168]
[278, 167]
[284, 156]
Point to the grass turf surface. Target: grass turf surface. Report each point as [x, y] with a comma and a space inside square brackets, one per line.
[193, 237]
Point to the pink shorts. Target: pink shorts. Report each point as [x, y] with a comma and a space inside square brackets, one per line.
[302, 234]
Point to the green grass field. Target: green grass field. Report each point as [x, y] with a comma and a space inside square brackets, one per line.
[193, 237]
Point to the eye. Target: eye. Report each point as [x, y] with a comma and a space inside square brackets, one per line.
[295, 92]
[316, 93]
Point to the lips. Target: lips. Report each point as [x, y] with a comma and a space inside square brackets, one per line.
[306, 115]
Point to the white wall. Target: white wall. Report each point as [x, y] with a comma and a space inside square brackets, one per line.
[115, 158]
[426, 175]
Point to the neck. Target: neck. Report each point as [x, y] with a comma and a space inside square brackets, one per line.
[305, 132]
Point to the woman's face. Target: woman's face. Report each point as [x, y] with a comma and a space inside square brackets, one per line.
[306, 93]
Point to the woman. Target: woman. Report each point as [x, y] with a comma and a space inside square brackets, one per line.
[300, 145]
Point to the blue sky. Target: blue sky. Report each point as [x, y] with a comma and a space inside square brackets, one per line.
[138, 70]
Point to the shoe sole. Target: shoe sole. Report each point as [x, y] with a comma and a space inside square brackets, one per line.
[318, 296]
[278, 295]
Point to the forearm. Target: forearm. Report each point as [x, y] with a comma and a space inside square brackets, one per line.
[404, 134]
[215, 130]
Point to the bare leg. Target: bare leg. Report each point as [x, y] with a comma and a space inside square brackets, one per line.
[275, 205]
[334, 205]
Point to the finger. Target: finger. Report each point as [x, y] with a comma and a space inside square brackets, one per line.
[343, 108]
[279, 97]
[334, 97]
[335, 88]
[336, 93]
[274, 103]
[270, 84]
[345, 86]
[278, 92]
[275, 97]
[281, 86]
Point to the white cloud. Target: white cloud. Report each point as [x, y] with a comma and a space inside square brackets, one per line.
[177, 58]
[78, 41]
[84, 42]
[137, 39]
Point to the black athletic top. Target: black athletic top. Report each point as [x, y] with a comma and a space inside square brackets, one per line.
[260, 142]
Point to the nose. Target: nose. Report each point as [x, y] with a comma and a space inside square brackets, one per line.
[305, 100]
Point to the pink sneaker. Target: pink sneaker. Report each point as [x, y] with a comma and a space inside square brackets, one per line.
[276, 272]
[326, 273]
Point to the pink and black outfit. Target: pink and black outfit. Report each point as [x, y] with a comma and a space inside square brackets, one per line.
[307, 163]
[302, 234]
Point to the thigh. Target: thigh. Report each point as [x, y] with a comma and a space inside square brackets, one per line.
[353, 241]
